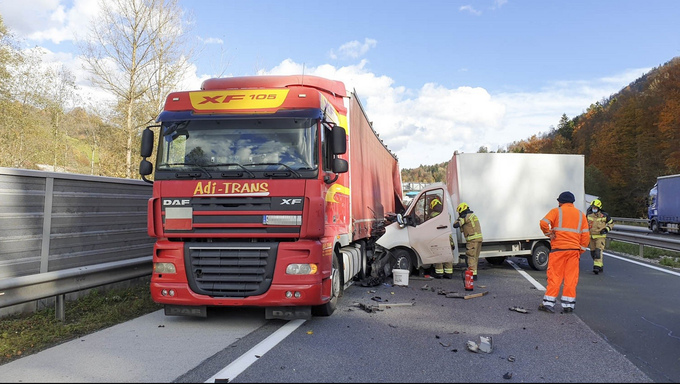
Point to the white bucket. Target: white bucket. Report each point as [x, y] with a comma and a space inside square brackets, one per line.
[400, 277]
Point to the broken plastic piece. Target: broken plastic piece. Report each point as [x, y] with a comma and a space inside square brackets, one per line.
[518, 309]
[485, 345]
[508, 375]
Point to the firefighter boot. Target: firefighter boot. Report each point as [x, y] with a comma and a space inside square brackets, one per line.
[597, 255]
[448, 275]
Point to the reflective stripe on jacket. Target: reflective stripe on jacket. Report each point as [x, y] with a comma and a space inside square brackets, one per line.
[471, 228]
[599, 221]
[569, 226]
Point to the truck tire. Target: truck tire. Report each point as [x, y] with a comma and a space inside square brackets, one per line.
[402, 260]
[655, 226]
[336, 291]
[539, 257]
[496, 260]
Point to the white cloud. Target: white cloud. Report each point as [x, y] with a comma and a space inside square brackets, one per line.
[498, 3]
[48, 20]
[470, 9]
[425, 126]
[354, 49]
[211, 40]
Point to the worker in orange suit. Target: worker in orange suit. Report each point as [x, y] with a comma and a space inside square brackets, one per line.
[569, 234]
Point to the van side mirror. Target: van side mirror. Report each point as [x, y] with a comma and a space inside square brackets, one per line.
[339, 140]
[400, 220]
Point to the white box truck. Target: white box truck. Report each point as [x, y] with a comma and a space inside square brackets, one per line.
[509, 192]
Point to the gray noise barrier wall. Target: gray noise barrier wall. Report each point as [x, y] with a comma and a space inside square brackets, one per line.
[52, 221]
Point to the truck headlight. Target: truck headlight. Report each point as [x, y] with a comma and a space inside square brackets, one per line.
[164, 268]
[282, 220]
[301, 269]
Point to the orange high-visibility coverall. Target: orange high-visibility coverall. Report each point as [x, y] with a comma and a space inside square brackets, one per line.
[569, 235]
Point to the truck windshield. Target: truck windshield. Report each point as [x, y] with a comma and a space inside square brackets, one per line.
[252, 145]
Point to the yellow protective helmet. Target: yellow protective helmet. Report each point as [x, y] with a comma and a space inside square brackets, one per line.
[462, 207]
[434, 202]
[597, 203]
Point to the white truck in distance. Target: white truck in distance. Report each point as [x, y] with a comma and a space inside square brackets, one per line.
[509, 192]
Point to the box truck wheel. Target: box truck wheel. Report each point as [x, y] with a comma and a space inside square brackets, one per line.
[496, 260]
[539, 257]
[336, 291]
[655, 227]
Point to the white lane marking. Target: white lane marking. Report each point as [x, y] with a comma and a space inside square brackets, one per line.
[643, 264]
[526, 276]
[247, 359]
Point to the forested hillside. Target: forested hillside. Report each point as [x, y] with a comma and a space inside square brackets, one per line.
[628, 140]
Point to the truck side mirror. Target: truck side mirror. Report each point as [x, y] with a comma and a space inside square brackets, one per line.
[147, 144]
[340, 165]
[339, 140]
[145, 168]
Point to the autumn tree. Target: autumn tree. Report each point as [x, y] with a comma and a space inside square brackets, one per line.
[136, 51]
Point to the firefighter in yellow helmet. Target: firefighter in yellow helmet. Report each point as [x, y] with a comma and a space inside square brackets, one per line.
[472, 231]
[600, 224]
[444, 270]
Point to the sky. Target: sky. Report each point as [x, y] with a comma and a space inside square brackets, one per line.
[435, 76]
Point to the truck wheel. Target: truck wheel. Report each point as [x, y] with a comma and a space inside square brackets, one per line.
[655, 227]
[496, 260]
[539, 258]
[336, 291]
[402, 260]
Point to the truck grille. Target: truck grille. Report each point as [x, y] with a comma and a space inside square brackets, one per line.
[237, 215]
[230, 269]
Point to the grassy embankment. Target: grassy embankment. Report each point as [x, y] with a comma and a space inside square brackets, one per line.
[26, 334]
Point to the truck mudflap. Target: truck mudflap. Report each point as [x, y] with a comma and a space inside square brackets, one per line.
[186, 310]
[288, 313]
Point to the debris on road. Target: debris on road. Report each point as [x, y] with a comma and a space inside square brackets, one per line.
[372, 308]
[485, 345]
[511, 358]
[456, 295]
[518, 309]
[508, 375]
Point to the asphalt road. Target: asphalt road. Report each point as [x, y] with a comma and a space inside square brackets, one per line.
[623, 330]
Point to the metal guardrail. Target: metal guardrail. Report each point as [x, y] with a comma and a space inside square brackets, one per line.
[24, 289]
[628, 220]
[643, 239]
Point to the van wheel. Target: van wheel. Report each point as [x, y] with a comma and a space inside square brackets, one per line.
[336, 291]
[539, 258]
[402, 260]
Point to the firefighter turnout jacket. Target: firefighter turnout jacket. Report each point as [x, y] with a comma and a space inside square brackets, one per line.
[469, 224]
[599, 221]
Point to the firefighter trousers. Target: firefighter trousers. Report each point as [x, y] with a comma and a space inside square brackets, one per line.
[443, 268]
[597, 244]
[562, 268]
[472, 251]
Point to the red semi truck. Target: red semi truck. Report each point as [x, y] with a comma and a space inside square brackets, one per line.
[268, 191]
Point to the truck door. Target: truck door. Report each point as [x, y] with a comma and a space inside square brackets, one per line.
[431, 236]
